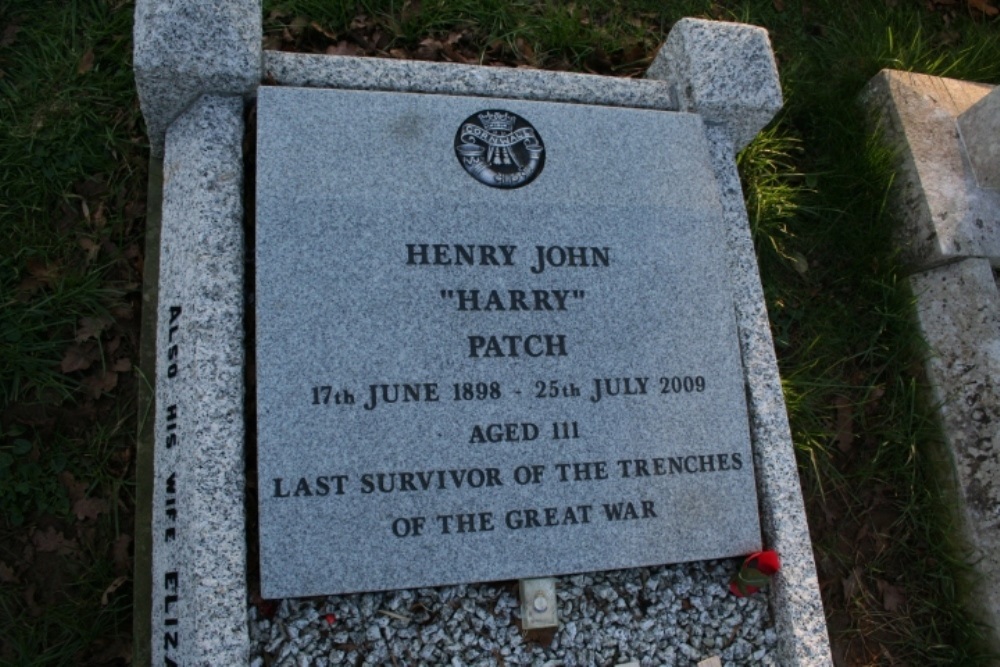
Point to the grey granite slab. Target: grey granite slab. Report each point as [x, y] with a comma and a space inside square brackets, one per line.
[980, 128]
[361, 202]
[186, 48]
[321, 71]
[199, 586]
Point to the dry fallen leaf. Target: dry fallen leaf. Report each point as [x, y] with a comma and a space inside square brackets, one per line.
[123, 365]
[90, 247]
[91, 327]
[100, 383]
[272, 42]
[343, 48]
[47, 273]
[9, 34]
[86, 62]
[323, 31]
[985, 6]
[361, 22]
[429, 49]
[119, 553]
[89, 508]
[99, 216]
[52, 541]
[78, 357]
[852, 584]
[893, 597]
[29, 600]
[76, 490]
[109, 591]
[111, 346]
[7, 574]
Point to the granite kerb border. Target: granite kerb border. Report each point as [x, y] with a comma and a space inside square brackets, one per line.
[197, 587]
[797, 608]
[415, 76]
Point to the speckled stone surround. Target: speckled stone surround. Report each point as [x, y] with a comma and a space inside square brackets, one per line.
[199, 534]
[414, 76]
[950, 233]
[704, 70]
[795, 597]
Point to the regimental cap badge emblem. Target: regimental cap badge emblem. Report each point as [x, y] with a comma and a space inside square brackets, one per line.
[500, 149]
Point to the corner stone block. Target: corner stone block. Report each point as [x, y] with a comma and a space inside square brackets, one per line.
[199, 589]
[187, 48]
[980, 128]
[723, 71]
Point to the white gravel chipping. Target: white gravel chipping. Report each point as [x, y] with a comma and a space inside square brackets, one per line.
[671, 615]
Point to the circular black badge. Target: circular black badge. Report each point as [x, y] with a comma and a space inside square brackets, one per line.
[500, 149]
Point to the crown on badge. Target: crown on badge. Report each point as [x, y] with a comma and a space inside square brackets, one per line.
[497, 121]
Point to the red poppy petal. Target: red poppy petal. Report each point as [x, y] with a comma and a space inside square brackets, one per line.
[768, 562]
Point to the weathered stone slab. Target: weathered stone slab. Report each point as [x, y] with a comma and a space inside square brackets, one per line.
[199, 541]
[980, 128]
[944, 213]
[958, 306]
[386, 271]
[950, 232]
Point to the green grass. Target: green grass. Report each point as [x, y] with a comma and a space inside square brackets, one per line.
[817, 185]
[72, 165]
[72, 181]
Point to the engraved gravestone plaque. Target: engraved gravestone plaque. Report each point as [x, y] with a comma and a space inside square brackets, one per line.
[471, 367]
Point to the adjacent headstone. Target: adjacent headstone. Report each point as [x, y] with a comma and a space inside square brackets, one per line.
[944, 213]
[944, 131]
[495, 340]
[980, 127]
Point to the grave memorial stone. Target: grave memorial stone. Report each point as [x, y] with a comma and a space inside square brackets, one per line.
[653, 208]
[494, 340]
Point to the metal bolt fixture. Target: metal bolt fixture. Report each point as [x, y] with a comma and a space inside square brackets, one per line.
[538, 604]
